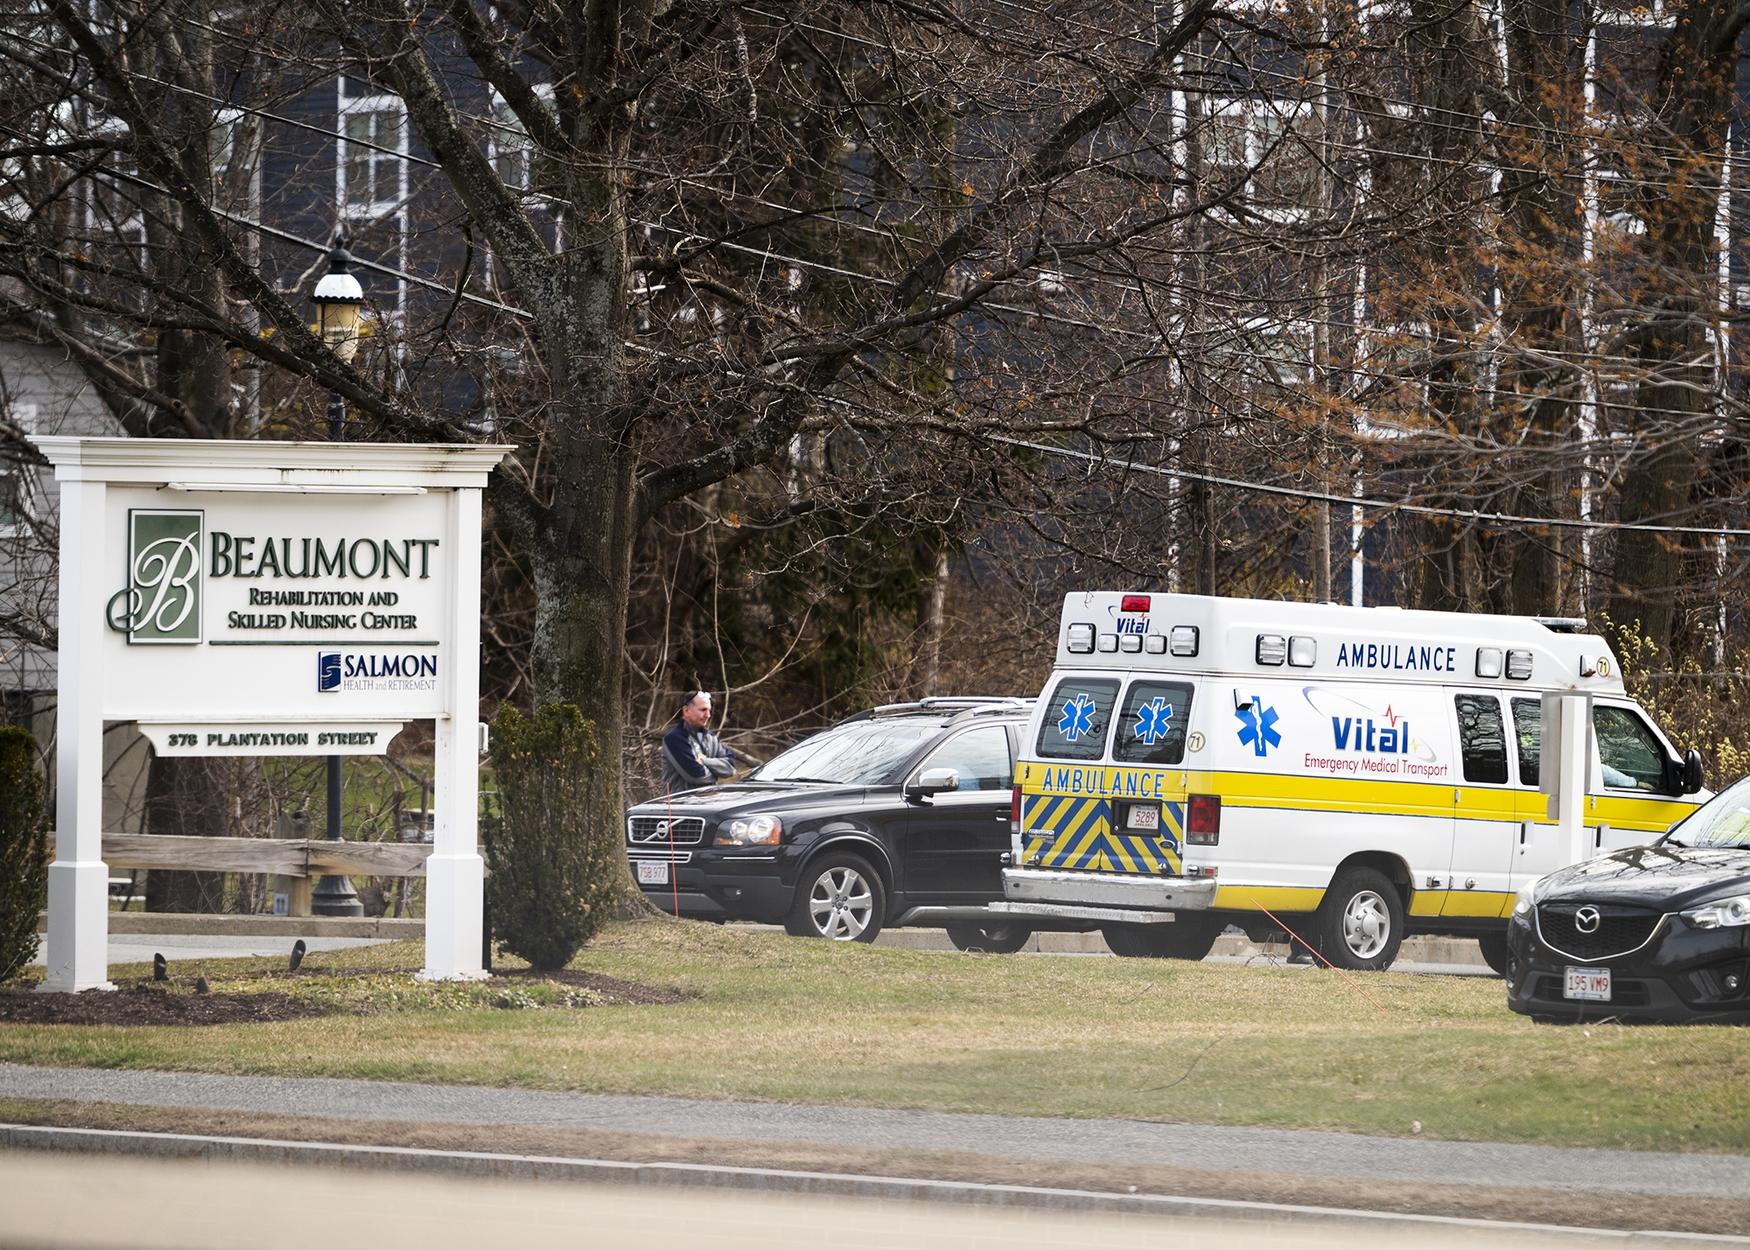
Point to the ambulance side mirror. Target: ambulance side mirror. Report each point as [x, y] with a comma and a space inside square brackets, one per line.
[1691, 778]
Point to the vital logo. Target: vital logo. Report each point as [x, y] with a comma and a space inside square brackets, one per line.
[1368, 736]
[1258, 727]
[369, 670]
[161, 604]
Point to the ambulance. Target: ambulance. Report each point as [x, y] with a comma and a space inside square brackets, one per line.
[1338, 776]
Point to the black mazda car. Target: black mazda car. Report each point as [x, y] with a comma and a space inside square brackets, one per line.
[897, 816]
[1658, 932]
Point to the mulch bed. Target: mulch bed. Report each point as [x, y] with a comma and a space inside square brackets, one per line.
[144, 1003]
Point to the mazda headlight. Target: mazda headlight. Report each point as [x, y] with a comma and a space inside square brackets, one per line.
[1725, 913]
[1525, 900]
[749, 831]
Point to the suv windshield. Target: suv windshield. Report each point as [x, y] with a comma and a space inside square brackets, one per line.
[862, 753]
[1722, 821]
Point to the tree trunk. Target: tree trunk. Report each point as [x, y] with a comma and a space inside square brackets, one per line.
[1675, 350]
[184, 797]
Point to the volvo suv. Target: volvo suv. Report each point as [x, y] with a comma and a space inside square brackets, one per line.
[897, 816]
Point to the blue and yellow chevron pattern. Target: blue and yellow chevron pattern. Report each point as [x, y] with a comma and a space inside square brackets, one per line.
[1069, 832]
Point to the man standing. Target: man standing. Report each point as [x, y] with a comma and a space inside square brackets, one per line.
[692, 756]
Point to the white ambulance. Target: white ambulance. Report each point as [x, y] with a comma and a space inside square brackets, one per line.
[1345, 775]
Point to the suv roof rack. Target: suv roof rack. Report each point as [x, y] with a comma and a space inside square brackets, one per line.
[967, 705]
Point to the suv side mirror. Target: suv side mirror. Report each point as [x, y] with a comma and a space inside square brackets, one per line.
[933, 781]
[1692, 779]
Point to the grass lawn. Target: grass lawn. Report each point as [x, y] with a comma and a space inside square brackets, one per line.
[784, 1019]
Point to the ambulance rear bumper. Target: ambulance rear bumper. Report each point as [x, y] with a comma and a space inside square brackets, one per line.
[1046, 892]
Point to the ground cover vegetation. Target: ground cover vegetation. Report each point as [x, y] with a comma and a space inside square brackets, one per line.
[839, 339]
[760, 1016]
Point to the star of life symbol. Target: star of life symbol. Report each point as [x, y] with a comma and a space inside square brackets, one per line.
[1258, 727]
[1152, 720]
[1077, 719]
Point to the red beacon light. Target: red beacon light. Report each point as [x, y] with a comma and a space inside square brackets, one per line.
[1134, 603]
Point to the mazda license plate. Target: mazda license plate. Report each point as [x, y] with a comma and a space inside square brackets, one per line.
[655, 872]
[1588, 984]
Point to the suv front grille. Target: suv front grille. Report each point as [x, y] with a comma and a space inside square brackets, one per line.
[660, 830]
[1602, 932]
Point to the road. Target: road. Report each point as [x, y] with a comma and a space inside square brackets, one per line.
[78, 1202]
[1304, 1153]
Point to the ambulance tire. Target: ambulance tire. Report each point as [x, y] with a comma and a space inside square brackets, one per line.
[1494, 949]
[1360, 925]
[999, 938]
[1188, 937]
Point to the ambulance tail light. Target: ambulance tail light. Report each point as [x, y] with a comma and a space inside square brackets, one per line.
[1014, 811]
[1133, 603]
[1203, 820]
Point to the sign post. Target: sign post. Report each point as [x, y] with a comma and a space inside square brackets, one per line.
[255, 598]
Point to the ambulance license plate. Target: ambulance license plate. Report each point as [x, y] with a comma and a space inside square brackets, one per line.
[1143, 818]
[1588, 984]
[655, 872]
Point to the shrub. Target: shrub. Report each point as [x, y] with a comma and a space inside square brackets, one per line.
[554, 869]
[24, 850]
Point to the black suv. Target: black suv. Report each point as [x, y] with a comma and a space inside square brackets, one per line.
[897, 816]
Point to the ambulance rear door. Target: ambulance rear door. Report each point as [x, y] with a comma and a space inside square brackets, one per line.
[1101, 789]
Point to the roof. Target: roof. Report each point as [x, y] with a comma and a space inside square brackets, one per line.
[1212, 634]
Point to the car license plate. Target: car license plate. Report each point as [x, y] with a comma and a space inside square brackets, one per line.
[652, 872]
[1590, 984]
[1144, 818]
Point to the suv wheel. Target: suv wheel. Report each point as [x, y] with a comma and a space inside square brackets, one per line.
[998, 938]
[1190, 936]
[1360, 924]
[839, 897]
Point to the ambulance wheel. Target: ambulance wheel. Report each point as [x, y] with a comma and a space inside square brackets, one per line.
[1189, 937]
[839, 897]
[1494, 948]
[999, 938]
[1360, 924]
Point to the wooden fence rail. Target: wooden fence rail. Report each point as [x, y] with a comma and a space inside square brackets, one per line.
[301, 860]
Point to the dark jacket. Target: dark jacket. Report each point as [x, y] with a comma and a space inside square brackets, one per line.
[692, 758]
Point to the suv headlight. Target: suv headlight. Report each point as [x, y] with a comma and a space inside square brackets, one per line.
[749, 831]
[1525, 900]
[1726, 913]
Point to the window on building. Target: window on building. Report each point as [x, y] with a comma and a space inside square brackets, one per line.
[373, 175]
[1482, 738]
[1259, 147]
[18, 485]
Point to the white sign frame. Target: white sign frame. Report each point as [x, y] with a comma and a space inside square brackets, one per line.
[88, 469]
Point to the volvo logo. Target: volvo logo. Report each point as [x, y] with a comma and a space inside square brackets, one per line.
[1586, 920]
[655, 832]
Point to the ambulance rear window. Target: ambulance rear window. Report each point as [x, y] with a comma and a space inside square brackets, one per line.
[1077, 715]
[1151, 726]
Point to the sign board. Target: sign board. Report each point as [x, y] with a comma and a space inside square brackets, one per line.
[259, 598]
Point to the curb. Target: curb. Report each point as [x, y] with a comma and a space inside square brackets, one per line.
[487, 1165]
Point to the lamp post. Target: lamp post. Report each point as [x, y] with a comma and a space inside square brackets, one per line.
[339, 299]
